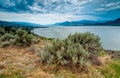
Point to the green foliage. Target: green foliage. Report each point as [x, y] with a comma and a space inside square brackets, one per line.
[22, 37]
[7, 40]
[113, 70]
[75, 50]
[2, 31]
[14, 36]
[12, 74]
[64, 53]
[89, 41]
[4, 44]
[6, 37]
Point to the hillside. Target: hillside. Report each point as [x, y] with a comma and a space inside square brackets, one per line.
[115, 22]
[77, 23]
[25, 55]
[22, 24]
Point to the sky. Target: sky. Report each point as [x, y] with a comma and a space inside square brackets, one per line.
[52, 11]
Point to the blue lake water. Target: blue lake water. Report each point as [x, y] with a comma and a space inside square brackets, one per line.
[110, 35]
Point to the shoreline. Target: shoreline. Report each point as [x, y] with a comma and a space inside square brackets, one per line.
[113, 54]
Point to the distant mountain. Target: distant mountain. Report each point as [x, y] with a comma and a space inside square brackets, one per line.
[89, 23]
[112, 23]
[6, 23]
[77, 23]
[28, 24]
[66, 23]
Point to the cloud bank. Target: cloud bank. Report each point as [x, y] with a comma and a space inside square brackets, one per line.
[52, 11]
[44, 18]
[42, 6]
[109, 6]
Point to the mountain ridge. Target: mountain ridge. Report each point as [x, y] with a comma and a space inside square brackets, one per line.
[7, 23]
[115, 22]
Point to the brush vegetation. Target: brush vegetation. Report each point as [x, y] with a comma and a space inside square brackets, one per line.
[76, 50]
[77, 55]
[15, 36]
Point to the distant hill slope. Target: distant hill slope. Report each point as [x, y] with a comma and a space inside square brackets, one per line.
[5, 23]
[66, 23]
[113, 23]
[77, 23]
[89, 23]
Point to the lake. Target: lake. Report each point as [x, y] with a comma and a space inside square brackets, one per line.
[110, 35]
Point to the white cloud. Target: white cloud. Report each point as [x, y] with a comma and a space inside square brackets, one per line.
[100, 9]
[7, 3]
[109, 6]
[36, 8]
[112, 4]
[44, 18]
[44, 6]
[80, 2]
[108, 9]
[59, 6]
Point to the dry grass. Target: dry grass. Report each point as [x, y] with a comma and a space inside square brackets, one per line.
[27, 61]
[24, 60]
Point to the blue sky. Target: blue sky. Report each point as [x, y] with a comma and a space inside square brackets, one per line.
[52, 11]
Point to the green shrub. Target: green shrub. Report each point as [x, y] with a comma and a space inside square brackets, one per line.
[4, 44]
[89, 41]
[2, 31]
[7, 40]
[76, 50]
[6, 37]
[14, 35]
[22, 37]
[64, 53]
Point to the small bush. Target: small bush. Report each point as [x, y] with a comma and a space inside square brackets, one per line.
[6, 40]
[15, 36]
[4, 44]
[6, 37]
[89, 41]
[23, 38]
[64, 53]
[2, 31]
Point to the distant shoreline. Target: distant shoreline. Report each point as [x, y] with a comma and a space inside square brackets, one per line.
[75, 26]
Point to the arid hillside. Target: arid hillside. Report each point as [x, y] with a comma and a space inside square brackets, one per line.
[26, 55]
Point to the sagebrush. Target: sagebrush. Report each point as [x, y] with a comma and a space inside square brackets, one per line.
[15, 36]
[75, 50]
